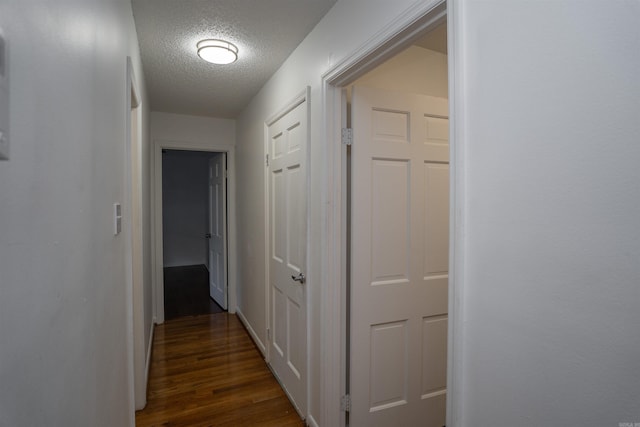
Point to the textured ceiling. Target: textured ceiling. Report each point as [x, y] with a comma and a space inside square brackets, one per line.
[178, 81]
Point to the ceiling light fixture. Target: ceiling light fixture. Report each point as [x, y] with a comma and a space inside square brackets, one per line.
[217, 51]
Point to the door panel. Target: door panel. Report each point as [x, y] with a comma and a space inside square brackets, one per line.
[434, 355]
[389, 362]
[436, 138]
[218, 229]
[399, 253]
[287, 252]
[436, 219]
[389, 222]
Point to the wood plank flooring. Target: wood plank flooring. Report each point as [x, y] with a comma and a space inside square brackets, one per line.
[206, 371]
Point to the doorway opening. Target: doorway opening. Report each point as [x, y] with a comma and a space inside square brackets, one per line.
[194, 224]
[391, 225]
[200, 226]
[398, 237]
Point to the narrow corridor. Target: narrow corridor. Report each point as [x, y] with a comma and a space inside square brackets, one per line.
[206, 371]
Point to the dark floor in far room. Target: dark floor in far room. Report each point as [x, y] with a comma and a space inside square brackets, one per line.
[186, 292]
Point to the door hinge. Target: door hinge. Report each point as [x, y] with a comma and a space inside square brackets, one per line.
[226, 173]
[347, 136]
[345, 403]
[268, 334]
[267, 157]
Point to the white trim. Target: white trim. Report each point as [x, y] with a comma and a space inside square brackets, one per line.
[127, 244]
[332, 294]
[400, 33]
[456, 214]
[311, 422]
[252, 333]
[308, 261]
[297, 100]
[156, 218]
[267, 290]
[134, 280]
[149, 352]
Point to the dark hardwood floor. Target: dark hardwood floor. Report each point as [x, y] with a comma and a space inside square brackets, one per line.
[186, 292]
[206, 371]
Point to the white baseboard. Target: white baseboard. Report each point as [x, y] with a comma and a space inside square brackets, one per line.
[311, 422]
[252, 333]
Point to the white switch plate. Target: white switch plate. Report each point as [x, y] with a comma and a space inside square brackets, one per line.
[4, 97]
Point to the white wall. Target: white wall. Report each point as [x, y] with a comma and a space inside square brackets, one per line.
[63, 301]
[185, 207]
[552, 144]
[550, 208]
[196, 129]
[414, 70]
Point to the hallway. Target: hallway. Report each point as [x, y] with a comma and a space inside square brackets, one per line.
[206, 371]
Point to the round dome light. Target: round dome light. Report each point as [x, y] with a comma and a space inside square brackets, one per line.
[217, 51]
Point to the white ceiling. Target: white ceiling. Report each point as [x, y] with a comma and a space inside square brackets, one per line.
[178, 81]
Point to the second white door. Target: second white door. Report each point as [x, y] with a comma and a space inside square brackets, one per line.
[218, 229]
[287, 171]
[399, 259]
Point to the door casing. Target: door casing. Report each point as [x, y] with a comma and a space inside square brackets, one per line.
[132, 227]
[390, 40]
[157, 276]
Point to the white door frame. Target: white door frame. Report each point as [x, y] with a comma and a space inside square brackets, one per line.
[399, 34]
[157, 275]
[133, 236]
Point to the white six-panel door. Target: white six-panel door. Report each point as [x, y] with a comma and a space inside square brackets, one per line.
[287, 141]
[399, 270]
[218, 229]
